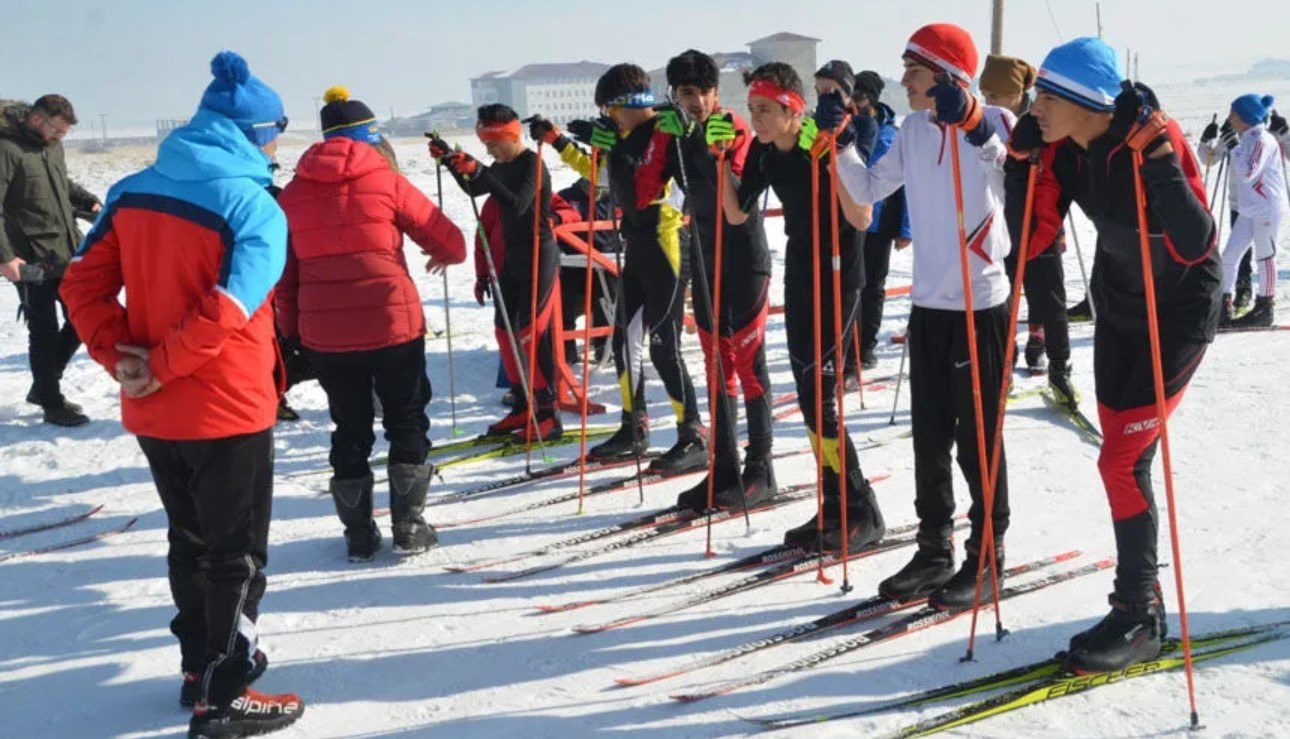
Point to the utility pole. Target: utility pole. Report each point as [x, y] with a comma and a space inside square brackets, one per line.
[1128, 64]
[996, 28]
[317, 111]
[103, 126]
[1099, 20]
[1136, 72]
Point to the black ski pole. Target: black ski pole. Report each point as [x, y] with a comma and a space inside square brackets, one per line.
[447, 302]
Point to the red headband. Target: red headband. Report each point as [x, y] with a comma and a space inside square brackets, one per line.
[772, 91]
[490, 132]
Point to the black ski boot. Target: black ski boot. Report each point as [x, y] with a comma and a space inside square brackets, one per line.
[1261, 315]
[1059, 383]
[1225, 315]
[1080, 312]
[865, 525]
[688, 454]
[191, 690]
[1130, 633]
[931, 567]
[409, 484]
[249, 714]
[959, 590]
[759, 478]
[630, 440]
[1036, 360]
[725, 490]
[353, 499]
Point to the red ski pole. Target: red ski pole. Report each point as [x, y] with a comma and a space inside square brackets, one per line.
[974, 361]
[1162, 415]
[716, 383]
[586, 327]
[817, 330]
[839, 355]
[996, 455]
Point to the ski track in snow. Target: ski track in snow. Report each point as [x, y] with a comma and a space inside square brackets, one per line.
[400, 648]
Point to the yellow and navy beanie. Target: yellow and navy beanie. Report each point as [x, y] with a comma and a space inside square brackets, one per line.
[352, 119]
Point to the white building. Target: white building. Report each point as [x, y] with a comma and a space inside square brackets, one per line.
[561, 92]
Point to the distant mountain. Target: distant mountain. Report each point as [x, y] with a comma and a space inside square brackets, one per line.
[1263, 70]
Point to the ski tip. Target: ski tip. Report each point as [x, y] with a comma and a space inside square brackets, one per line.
[1068, 556]
[588, 629]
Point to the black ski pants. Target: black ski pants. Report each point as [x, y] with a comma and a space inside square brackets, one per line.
[398, 376]
[944, 416]
[50, 346]
[218, 496]
[1045, 291]
[873, 298]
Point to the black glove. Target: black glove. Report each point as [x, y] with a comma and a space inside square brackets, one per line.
[540, 129]
[830, 111]
[1278, 125]
[1135, 102]
[1026, 135]
[1230, 139]
[1211, 131]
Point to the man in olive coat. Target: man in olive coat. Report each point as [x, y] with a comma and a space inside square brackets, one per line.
[38, 206]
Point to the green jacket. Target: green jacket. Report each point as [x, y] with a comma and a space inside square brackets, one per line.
[37, 200]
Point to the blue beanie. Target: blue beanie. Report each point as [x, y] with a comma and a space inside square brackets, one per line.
[1085, 71]
[240, 96]
[1253, 109]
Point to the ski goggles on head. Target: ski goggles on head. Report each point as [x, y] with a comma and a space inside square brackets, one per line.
[494, 132]
[280, 124]
[638, 99]
[783, 96]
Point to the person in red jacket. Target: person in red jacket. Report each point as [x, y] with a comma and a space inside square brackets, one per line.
[347, 297]
[514, 181]
[197, 243]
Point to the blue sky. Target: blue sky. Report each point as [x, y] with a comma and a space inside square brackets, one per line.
[137, 60]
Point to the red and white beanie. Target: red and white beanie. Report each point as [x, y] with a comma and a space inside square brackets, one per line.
[945, 47]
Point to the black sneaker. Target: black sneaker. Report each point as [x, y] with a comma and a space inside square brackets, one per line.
[1130, 633]
[33, 400]
[191, 690]
[688, 454]
[930, 568]
[630, 440]
[1080, 312]
[65, 415]
[249, 714]
[959, 591]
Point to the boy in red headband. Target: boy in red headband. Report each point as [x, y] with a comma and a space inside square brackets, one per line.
[940, 61]
[507, 230]
[780, 158]
[641, 173]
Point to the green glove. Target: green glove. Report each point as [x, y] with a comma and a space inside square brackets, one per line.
[806, 137]
[604, 138]
[719, 131]
[601, 133]
[672, 121]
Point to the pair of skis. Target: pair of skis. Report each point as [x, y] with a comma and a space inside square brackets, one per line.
[1034, 683]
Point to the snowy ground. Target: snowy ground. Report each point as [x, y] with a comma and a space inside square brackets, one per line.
[400, 648]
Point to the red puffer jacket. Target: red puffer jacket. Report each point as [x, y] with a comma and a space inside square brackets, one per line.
[346, 286]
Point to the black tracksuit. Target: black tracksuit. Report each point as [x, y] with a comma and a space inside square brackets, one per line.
[1187, 272]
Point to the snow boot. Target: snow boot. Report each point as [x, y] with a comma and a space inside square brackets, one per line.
[959, 591]
[931, 567]
[1261, 315]
[69, 405]
[1036, 360]
[1080, 312]
[249, 714]
[630, 440]
[191, 690]
[1059, 383]
[1130, 633]
[66, 415]
[688, 454]
[353, 499]
[1225, 314]
[409, 484]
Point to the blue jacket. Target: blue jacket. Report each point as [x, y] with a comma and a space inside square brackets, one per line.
[198, 244]
[885, 123]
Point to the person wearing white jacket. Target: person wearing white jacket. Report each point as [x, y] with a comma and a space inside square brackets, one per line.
[1261, 201]
[940, 62]
[1215, 147]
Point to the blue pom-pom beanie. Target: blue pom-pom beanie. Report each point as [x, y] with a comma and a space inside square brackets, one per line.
[239, 95]
[1253, 109]
[1085, 71]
